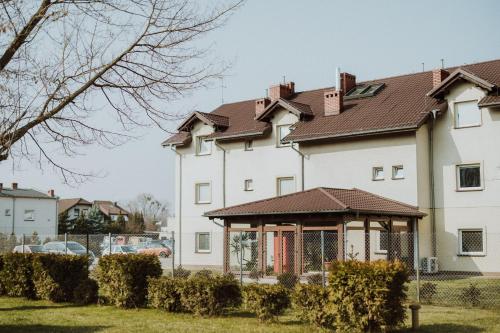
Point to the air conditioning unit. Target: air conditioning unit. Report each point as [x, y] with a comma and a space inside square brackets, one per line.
[430, 265]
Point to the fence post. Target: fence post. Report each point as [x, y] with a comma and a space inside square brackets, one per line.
[22, 242]
[323, 277]
[109, 238]
[88, 243]
[65, 243]
[241, 258]
[173, 252]
[417, 256]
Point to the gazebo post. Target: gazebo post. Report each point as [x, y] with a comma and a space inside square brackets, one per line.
[341, 240]
[226, 247]
[261, 244]
[389, 239]
[367, 239]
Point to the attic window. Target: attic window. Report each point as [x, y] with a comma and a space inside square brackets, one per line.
[364, 91]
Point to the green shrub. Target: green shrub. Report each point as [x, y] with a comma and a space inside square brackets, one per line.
[209, 296]
[311, 303]
[2, 289]
[204, 273]
[315, 279]
[367, 296]
[16, 275]
[123, 279]
[266, 301]
[164, 293]
[181, 273]
[56, 276]
[288, 280]
[255, 274]
[472, 295]
[427, 292]
[86, 292]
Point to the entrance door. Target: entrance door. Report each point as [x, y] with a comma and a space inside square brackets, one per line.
[280, 250]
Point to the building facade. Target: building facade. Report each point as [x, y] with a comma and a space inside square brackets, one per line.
[426, 140]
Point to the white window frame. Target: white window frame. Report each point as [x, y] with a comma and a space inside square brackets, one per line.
[455, 115]
[197, 192]
[249, 145]
[8, 212]
[378, 250]
[248, 184]
[280, 144]
[32, 218]
[278, 181]
[197, 237]
[76, 211]
[396, 167]
[374, 173]
[199, 141]
[462, 253]
[457, 176]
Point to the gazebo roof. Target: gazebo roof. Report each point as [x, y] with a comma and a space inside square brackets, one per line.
[321, 200]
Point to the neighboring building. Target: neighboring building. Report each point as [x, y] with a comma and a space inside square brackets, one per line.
[74, 207]
[428, 140]
[111, 210]
[24, 211]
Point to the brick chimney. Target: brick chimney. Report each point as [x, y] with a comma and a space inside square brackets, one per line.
[334, 102]
[14, 186]
[260, 105]
[51, 193]
[438, 75]
[281, 91]
[347, 82]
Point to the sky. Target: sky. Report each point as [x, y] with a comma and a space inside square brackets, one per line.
[303, 41]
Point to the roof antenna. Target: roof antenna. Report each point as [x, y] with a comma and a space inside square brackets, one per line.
[423, 67]
[284, 79]
[442, 63]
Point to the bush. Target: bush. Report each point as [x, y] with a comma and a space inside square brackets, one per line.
[311, 303]
[181, 273]
[86, 292]
[266, 301]
[315, 279]
[209, 296]
[367, 296]
[255, 274]
[2, 289]
[164, 293]
[427, 292]
[204, 273]
[16, 275]
[56, 276]
[288, 280]
[472, 295]
[123, 279]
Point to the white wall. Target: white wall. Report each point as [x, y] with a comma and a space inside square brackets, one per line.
[45, 223]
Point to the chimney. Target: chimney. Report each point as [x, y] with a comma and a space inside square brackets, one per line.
[438, 76]
[281, 91]
[260, 105]
[14, 186]
[51, 193]
[347, 82]
[333, 102]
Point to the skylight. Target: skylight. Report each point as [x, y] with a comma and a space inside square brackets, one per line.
[364, 91]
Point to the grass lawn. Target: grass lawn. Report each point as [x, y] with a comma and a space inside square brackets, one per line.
[19, 315]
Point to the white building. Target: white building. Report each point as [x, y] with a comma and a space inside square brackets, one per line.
[428, 140]
[25, 211]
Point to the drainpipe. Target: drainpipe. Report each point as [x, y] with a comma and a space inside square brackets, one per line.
[223, 173]
[301, 163]
[180, 204]
[13, 215]
[432, 124]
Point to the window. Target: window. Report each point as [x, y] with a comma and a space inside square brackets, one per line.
[378, 173]
[203, 146]
[398, 172]
[285, 185]
[471, 242]
[7, 212]
[77, 211]
[382, 241]
[203, 193]
[202, 242]
[467, 114]
[248, 184]
[282, 132]
[469, 177]
[29, 215]
[364, 91]
[249, 145]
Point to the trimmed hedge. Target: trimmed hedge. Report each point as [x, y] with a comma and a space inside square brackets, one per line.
[56, 276]
[311, 303]
[210, 295]
[123, 279]
[164, 293]
[86, 292]
[367, 296]
[2, 289]
[288, 280]
[16, 275]
[265, 300]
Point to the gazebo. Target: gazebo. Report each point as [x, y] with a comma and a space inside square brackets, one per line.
[288, 233]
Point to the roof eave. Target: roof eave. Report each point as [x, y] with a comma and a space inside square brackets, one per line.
[456, 75]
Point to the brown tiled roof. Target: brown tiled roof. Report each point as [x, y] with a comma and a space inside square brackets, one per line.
[460, 74]
[65, 204]
[181, 138]
[208, 118]
[491, 100]
[297, 108]
[320, 200]
[402, 105]
[109, 208]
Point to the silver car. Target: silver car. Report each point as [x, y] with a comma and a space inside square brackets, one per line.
[119, 249]
[28, 249]
[71, 247]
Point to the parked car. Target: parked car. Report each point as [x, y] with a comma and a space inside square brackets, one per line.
[73, 248]
[120, 249]
[167, 243]
[154, 247]
[28, 249]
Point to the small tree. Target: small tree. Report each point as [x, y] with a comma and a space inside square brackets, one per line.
[81, 227]
[64, 224]
[95, 220]
[135, 224]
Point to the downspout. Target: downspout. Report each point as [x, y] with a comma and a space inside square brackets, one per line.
[179, 238]
[223, 173]
[301, 164]
[432, 124]
[13, 215]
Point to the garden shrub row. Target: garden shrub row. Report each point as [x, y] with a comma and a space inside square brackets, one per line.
[266, 301]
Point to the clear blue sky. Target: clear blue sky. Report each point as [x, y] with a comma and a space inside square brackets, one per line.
[305, 41]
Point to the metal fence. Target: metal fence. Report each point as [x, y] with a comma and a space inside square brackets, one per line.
[464, 270]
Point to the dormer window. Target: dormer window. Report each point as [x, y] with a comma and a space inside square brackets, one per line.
[203, 146]
[467, 114]
[281, 132]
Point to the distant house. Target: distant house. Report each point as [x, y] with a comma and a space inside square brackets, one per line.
[111, 210]
[74, 207]
[24, 211]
